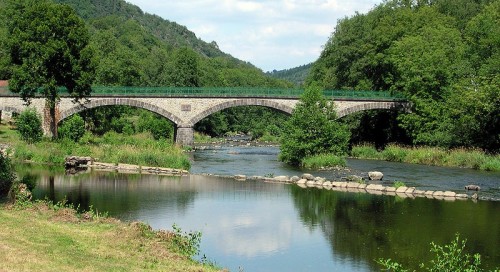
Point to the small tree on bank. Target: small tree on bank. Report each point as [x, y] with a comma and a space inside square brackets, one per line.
[7, 176]
[312, 129]
[29, 126]
[49, 48]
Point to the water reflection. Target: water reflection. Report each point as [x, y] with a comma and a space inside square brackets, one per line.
[275, 227]
[368, 227]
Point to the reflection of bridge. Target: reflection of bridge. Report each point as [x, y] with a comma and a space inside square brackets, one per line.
[187, 106]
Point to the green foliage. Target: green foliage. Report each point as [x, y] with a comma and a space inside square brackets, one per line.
[398, 184]
[444, 55]
[448, 258]
[49, 49]
[312, 130]
[365, 151]
[188, 243]
[73, 128]
[323, 161]
[464, 158]
[29, 126]
[296, 75]
[7, 175]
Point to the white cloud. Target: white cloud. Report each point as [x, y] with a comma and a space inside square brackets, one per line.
[271, 34]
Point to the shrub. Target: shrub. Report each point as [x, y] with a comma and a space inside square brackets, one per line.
[398, 184]
[73, 128]
[323, 161]
[6, 174]
[29, 126]
[365, 151]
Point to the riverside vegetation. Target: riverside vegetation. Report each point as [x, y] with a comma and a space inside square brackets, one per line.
[465, 158]
[113, 147]
[89, 240]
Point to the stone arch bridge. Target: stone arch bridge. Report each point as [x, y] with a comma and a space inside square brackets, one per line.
[187, 108]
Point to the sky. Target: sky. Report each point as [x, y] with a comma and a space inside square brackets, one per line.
[270, 34]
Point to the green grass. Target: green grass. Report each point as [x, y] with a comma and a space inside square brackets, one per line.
[40, 238]
[140, 149]
[464, 158]
[323, 161]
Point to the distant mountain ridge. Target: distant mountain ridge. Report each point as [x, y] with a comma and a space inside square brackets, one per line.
[297, 75]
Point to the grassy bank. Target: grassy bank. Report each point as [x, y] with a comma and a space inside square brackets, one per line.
[323, 161]
[139, 149]
[464, 158]
[41, 238]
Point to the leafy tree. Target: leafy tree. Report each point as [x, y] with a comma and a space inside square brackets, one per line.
[29, 126]
[7, 176]
[73, 128]
[185, 71]
[48, 49]
[312, 129]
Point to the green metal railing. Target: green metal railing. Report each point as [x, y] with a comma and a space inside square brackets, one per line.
[225, 92]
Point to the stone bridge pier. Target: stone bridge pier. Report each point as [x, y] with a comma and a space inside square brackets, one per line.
[184, 135]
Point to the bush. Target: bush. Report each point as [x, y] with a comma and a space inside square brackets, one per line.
[29, 126]
[6, 175]
[323, 161]
[72, 128]
[398, 184]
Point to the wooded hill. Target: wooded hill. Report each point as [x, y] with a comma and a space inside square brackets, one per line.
[139, 49]
[297, 75]
[444, 55]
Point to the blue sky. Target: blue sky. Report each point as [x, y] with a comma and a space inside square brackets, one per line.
[273, 34]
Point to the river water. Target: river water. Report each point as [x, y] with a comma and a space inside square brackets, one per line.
[258, 226]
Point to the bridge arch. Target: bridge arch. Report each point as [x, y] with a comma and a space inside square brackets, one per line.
[241, 102]
[382, 105]
[94, 103]
[10, 109]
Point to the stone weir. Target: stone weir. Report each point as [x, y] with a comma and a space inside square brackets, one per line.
[88, 163]
[308, 181]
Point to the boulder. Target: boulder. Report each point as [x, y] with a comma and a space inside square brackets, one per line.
[327, 184]
[472, 187]
[302, 181]
[390, 189]
[75, 161]
[375, 187]
[449, 194]
[438, 193]
[418, 192]
[307, 176]
[401, 189]
[464, 196]
[362, 186]
[294, 179]
[240, 177]
[281, 178]
[352, 185]
[410, 190]
[375, 175]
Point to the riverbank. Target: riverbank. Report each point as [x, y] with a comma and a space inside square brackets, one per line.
[139, 149]
[43, 238]
[463, 158]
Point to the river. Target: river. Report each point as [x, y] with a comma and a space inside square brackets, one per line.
[258, 226]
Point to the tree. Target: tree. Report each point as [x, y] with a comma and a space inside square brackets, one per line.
[29, 126]
[73, 128]
[49, 49]
[312, 129]
[7, 176]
